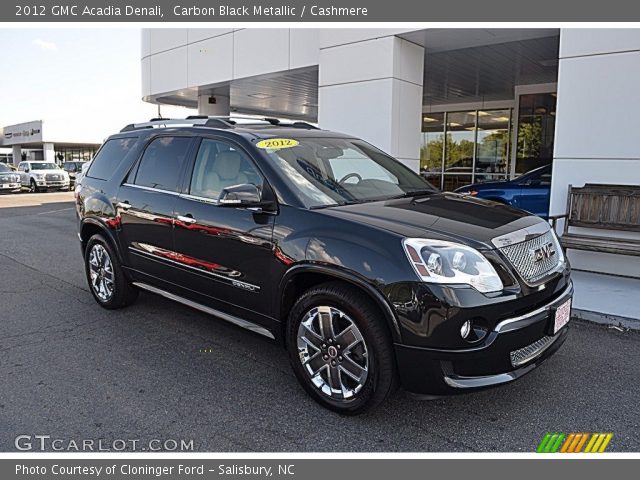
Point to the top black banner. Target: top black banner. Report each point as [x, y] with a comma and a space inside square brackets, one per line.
[319, 11]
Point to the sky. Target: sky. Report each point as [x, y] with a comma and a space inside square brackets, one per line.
[84, 81]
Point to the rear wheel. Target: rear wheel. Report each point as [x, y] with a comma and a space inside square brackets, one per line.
[108, 284]
[340, 349]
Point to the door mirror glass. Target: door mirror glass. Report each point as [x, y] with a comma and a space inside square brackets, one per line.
[26, 169]
[243, 195]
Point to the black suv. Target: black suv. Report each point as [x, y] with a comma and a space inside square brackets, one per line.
[367, 275]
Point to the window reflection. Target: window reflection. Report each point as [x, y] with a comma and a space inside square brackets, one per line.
[432, 147]
[536, 125]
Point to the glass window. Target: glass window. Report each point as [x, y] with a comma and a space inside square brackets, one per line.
[162, 162]
[218, 165]
[536, 126]
[432, 150]
[459, 149]
[492, 153]
[110, 156]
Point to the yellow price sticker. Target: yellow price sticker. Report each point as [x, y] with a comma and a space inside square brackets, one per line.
[277, 143]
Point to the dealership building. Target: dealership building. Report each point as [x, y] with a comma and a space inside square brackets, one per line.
[460, 105]
[36, 140]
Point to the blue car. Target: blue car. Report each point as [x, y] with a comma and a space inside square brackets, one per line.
[529, 191]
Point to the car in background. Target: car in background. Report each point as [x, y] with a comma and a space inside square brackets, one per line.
[40, 175]
[73, 169]
[9, 180]
[529, 191]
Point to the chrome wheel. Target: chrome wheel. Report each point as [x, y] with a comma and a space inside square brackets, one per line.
[101, 272]
[333, 352]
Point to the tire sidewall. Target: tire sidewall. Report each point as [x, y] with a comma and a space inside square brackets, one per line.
[364, 396]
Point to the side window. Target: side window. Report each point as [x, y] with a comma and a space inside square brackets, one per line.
[219, 165]
[162, 163]
[110, 156]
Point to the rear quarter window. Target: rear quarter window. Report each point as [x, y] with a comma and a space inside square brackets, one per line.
[109, 157]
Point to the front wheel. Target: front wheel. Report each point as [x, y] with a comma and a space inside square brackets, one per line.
[107, 281]
[340, 349]
[33, 188]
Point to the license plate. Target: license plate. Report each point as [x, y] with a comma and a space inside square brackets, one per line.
[563, 313]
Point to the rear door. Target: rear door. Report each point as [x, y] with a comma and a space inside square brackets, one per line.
[146, 201]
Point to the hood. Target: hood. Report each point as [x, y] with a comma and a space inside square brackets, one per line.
[444, 216]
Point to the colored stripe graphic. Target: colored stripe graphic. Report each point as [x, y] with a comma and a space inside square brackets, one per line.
[574, 442]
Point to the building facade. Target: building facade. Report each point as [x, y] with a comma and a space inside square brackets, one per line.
[460, 105]
[32, 141]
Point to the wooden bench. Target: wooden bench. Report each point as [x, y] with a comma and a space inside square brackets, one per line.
[603, 207]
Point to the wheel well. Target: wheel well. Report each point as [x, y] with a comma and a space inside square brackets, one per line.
[303, 281]
[88, 230]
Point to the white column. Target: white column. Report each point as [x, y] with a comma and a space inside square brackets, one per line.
[48, 152]
[17, 154]
[214, 105]
[373, 90]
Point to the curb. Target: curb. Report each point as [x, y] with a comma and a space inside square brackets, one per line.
[606, 319]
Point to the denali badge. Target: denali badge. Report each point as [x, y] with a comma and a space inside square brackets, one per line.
[542, 252]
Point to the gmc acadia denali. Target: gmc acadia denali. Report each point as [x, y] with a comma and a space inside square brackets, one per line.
[367, 275]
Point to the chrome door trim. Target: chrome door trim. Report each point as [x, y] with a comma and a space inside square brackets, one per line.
[151, 189]
[530, 317]
[211, 311]
[249, 287]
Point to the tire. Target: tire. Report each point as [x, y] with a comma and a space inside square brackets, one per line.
[107, 281]
[322, 362]
[33, 188]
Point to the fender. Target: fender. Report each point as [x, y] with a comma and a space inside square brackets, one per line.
[347, 276]
[105, 230]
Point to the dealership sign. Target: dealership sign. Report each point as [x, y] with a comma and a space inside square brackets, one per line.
[22, 133]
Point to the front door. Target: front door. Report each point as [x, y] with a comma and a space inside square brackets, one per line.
[146, 202]
[226, 253]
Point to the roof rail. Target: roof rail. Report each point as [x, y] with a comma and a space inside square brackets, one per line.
[227, 121]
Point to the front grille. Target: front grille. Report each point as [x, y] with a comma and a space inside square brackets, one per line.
[525, 354]
[53, 177]
[536, 258]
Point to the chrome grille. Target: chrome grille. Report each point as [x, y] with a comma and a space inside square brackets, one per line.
[53, 177]
[529, 262]
[525, 354]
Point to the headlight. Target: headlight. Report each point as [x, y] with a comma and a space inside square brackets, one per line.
[39, 176]
[437, 261]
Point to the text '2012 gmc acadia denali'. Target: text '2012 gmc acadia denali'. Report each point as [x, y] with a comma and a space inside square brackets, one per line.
[366, 274]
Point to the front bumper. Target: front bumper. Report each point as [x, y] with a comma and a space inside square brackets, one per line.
[514, 347]
[10, 187]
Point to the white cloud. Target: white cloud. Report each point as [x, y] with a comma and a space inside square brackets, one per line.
[44, 45]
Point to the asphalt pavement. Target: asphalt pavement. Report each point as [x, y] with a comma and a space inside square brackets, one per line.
[159, 370]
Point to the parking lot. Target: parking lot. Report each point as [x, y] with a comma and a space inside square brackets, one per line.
[158, 370]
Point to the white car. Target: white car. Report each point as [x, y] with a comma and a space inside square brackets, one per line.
[39, 175]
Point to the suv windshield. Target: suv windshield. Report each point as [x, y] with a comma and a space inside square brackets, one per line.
[43, 166]
[4, 168]
[333, 171]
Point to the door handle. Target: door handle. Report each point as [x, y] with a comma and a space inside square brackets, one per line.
[123, 205]
[186, 219]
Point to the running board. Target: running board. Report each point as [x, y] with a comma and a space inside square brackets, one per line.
[211, 311]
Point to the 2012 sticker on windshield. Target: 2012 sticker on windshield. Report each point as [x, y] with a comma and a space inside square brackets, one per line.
[277, 143]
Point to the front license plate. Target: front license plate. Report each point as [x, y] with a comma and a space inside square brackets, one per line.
[563, 313]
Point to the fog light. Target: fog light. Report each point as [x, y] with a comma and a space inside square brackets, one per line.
[465, 330]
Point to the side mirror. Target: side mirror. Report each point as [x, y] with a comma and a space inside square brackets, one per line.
[247, 195]
[26, 170]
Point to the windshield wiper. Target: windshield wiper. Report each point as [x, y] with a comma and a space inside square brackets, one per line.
[415, 193]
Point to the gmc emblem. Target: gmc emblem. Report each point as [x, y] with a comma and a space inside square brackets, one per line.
[542, 252]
